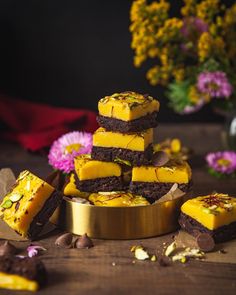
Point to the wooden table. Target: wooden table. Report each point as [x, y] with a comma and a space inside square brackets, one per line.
[109, 267]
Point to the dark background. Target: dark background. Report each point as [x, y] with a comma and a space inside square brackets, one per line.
[73, 52]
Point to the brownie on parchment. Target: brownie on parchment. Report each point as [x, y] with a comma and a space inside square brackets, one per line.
[31, 269]
[136, 125]
[109, 154]
[220, 234]
[104, 184]
[153, 191]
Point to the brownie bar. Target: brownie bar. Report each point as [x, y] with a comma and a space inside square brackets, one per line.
[44, 214]
[153, 191]
[29, 268]
[137, 125]
[193, 227]
[136, 158]
[105, 184]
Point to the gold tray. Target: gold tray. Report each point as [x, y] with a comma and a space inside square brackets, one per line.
[118, 222]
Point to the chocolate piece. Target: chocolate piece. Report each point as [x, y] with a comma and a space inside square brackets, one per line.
[64, 241]
[7, 249]
[105, 184]
[160, 159]
[136, 125]
[193, 227]
[163, 261]
[153, 191]
[83, 242]
[31, 269]
[44, 214]
[205, 242]
[134, 157]
[56, 179]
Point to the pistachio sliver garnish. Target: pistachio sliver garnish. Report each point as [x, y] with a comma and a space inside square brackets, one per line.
[15, 197]
[120, 161]
[7, 204]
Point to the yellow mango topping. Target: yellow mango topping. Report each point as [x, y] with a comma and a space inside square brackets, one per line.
[26, 199]
[16, 282]
[117, 199]
[211, 211]
[127, 106]
[87, 168]
[176, 173]
[135, 142]
[71, 190]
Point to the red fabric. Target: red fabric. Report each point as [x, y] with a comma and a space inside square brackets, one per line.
[35, 126]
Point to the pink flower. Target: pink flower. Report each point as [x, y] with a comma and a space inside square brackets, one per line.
[33, 250]
[214, 84]
[67, 147]
[222, 162]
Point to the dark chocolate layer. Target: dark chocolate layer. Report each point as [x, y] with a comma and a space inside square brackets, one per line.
[137, 125]
[220, 234]
[153, 191]
[44, 214]
[105, 184]
[134, 157]
[29, 268]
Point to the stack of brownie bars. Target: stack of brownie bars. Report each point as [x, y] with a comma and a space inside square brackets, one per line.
[122, 153]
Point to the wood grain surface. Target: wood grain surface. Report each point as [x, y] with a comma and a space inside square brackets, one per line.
[109, 267]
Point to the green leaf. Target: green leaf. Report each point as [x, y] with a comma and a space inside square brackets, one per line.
[178, 95]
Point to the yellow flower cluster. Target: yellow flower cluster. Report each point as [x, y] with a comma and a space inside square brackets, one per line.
[207, 9]
[145, 19]
[209, 46]
[189, 8]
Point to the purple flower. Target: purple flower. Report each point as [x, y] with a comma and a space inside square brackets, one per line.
[67, 147]
[223, 162]
[214, 84]
[33, 250]
[193, 25]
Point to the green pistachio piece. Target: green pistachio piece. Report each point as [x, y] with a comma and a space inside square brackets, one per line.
[120, 161]
[15, 197]
[7, 204]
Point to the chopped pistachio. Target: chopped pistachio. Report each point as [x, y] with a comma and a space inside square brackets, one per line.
[141, 254]
[153, 258]
[170, 249]
[27, 187]
[120, 161]
[7, 204]
[15, 197]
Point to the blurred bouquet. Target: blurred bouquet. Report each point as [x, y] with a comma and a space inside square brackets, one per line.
[194, 55]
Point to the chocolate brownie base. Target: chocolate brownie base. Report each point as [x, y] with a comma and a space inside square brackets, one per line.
[153, 191]
[105, 184]
[134, 157]
[193, 227]
[137, 125]
[29, 268]
[44, 214]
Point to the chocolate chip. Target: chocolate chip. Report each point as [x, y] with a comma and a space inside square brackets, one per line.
[64, 241]
[160, 159]
[205, 242]
[163, 261]
[83, 242]
[7, 249]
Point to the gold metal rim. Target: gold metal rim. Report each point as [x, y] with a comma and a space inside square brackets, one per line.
[119, 222]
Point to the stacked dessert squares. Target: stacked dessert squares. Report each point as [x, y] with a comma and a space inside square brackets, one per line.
[120, 169]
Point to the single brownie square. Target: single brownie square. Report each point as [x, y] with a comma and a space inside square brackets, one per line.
[94, 176]
[214, 214]
[29, 205]
[26, 273]
[136, 148]
[154, 182]
[128, 112]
